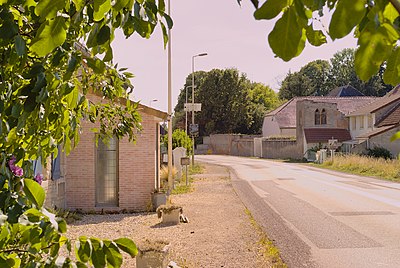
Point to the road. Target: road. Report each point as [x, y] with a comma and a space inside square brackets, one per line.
[319, 218]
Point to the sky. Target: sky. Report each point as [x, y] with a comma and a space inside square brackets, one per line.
[230, 36]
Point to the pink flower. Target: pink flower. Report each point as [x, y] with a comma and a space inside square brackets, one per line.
[39, 178]
[19, 172]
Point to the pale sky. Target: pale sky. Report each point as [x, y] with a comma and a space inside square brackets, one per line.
[227, 32]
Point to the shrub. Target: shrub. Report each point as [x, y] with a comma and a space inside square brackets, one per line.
[379, 152]
[180, 139]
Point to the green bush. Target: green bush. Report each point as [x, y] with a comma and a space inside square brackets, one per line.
[379, 152]
[180, 139]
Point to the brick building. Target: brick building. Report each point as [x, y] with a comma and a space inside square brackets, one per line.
[113, 177]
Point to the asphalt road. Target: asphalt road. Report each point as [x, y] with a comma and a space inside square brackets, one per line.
[319, 218]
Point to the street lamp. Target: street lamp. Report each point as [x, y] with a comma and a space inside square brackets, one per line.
[152, 101]
[170, 178]
[186, 112]
[193, 57]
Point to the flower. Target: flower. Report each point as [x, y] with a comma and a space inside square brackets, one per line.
[19, 172]
[39, 178]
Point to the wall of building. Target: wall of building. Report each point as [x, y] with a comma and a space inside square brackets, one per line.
[281, 149]
[231, 144]
[270, 127]
[137, 169]
[383, 140]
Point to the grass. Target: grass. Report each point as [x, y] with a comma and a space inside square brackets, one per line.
[366, 166]
[181, 187]
[267, 248]
[196, 169]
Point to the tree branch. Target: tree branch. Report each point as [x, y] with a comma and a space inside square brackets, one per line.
[396, 5]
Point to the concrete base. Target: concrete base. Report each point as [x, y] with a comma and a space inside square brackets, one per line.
[156, 258]
[159, 199]
[171, 217]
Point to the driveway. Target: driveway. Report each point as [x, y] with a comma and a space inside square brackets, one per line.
[320, 218]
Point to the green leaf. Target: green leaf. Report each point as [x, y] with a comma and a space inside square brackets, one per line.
[34, 192]
[113, 255]
[101, 7]
[127, 245]
[79, 4]
[392, 73]
[286, 39]
[271, 8]
[83, 249]
[345, 17]
[165, 34]
[103, 35]
[97, 65]
[395, 136]
[169, 21]
[48, 8]
[20, 45]
[51, 34]
[315, 37]
[374, 47]
[120, 4]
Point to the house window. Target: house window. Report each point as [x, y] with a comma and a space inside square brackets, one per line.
[317, 117]
[323, 117]
[320, 117]
[107, 173]
[361, 122]
[370, 121]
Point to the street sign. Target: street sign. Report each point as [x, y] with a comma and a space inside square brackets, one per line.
[333, 144]
[194, 129]
[189, 107]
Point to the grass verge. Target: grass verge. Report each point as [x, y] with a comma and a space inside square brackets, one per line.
[365, 166]
[196, 169]
[267, 248]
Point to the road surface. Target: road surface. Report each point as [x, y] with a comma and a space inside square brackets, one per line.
[320, 218]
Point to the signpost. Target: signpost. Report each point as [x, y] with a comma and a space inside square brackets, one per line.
[332, 145]
[190, 107]
[185, 161]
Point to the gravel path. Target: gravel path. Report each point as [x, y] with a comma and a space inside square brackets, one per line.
[219, 234]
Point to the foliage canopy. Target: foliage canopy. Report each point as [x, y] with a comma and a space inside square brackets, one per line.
[45, 75]
[374, 23]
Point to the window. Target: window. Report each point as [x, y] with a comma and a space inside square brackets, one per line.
[317, 117]
[107, 173]
[320, 117]
[353, 123]
[370, 121]
[361, 122]
[323, 117]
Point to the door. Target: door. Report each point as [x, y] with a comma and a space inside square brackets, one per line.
[107, 174]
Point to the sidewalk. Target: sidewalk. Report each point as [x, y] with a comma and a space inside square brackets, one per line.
[219, 232]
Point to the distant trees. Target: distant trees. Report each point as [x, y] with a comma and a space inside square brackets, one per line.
[231, 103]
[320, 76]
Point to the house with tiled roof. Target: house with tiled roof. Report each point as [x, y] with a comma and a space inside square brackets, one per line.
[314, 120]
[373, 124]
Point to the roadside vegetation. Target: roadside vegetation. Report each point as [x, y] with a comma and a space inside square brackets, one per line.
[388, 169]
[181, 187]
[267, 248]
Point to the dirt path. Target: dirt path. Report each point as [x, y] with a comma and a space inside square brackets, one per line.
[219, 234]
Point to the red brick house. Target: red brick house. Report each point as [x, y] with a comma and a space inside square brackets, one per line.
[120, 176]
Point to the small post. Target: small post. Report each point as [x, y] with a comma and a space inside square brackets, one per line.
[186, 161]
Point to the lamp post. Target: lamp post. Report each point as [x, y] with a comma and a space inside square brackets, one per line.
[170, 178]
[193, 57]
[186, 112]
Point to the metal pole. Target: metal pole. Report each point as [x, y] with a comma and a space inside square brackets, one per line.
[186, 112]
[193, 107]
[170, 178]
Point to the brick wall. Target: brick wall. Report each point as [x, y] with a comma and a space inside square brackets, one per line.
[137, 168]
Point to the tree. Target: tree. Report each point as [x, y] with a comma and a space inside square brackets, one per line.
[180, 139]
[320, 77]
[375, 25]
[44, 78]
[312, 79]
[230, 103]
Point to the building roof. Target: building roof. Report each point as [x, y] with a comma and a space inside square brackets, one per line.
[285, 114]
[391, 118]
[345, 91]
[389, 98]
[315, 135]
[375, 132]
